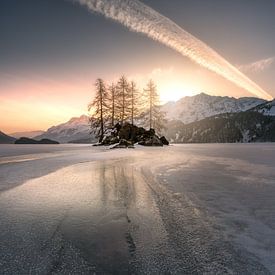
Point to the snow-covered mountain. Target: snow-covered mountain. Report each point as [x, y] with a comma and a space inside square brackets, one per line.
[77, 128]
[267, 108]
[186, 110]
[194, 108]
[249, 126]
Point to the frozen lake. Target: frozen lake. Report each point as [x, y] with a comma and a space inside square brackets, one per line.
[182, 209]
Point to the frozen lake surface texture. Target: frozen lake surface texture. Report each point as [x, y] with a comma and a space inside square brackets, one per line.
[182, 209]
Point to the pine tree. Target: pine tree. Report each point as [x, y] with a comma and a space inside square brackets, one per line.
[154, 117]
[99, 109]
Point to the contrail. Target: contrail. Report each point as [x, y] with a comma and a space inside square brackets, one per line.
[139, 17]
[258, 66]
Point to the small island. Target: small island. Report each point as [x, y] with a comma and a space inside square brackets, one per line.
[127, 135]
[117, 106]
[25, 140]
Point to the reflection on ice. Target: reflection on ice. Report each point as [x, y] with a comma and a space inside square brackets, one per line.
[96, 207]
[180, 209]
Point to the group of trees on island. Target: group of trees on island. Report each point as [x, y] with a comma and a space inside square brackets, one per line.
[123, 102]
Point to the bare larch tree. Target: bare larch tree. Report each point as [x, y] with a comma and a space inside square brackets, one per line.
[112, 102]
[99, 109]
[134, 101]
[123, 98]
[155, 117]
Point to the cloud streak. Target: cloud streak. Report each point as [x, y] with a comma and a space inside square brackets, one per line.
[258, 66]
[140, 18]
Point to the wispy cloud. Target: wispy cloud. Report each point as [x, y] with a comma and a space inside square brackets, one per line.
[139, 17]
[258, 66]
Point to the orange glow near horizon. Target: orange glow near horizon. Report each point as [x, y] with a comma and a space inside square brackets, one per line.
[41, 105]
[36, 103]
[33, 115]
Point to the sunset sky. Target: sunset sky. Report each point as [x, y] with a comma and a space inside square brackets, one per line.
[51, 52]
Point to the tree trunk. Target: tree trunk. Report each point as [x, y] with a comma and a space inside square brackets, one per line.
[101, 116]
[151, 109]
[113, 108]
[123, 107]
[132, 115]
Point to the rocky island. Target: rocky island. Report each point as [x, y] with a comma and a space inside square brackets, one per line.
[127, 135]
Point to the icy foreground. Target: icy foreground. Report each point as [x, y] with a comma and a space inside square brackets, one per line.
[179, 209]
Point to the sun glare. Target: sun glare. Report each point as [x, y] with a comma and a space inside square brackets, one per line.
[175, 91]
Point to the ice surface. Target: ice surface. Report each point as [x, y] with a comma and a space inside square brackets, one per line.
[177, 209]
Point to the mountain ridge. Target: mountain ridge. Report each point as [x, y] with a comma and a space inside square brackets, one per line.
[6, 139]
[248, 126]
[76, 128]
[186, 110]
[194, 108]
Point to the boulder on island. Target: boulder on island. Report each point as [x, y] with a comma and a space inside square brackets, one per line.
[164, 140]
[124, 136]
